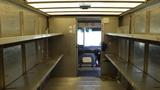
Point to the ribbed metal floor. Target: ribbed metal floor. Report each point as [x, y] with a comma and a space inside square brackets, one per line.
[82, 83]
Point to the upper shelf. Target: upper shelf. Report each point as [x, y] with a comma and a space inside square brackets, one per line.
[155, 38]
[17, 39]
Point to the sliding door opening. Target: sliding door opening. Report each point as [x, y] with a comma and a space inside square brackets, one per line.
[89, 46]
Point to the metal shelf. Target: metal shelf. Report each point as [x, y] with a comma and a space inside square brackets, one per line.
[136, 77]
[35, 77]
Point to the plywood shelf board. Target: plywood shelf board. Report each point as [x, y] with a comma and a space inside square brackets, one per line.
[33, 78]
[18, 39]
[137, 78]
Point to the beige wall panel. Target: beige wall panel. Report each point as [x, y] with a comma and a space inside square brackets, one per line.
[29, 23]
[67, 26]
[110, 24]
[140, 21]
[42, 24]
[125, 23]
[12, 63]
[126, 20]
[34, 23]
[10, 20]
[155, 20]
[37, 22]
[10, 25]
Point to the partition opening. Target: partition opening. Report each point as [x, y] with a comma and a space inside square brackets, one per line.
[89, 46]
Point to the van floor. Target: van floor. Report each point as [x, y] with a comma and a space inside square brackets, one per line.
[82, 83]
[89, 71]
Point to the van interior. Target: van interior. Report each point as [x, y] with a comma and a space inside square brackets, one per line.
[79, 44]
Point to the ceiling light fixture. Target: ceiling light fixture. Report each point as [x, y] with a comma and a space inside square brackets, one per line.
[83, 0]
[85, 13]
[79, 9]
[85, 6]
[92, 4]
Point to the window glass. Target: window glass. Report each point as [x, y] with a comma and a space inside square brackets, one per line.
[89, 37]
[80, 36]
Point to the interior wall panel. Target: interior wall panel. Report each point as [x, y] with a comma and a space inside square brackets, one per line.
[29, 23]
[31, 58]
[11, 24]
[123, 49]
[155, 21]
[10, 21]
[12, 63]
[154, 61]
[140, 21]
[125, 25]
[43, 25]
[110, 24]
[67, 26]
[138, 58]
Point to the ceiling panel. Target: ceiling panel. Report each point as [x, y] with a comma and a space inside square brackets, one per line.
[92, 4]
[84, 7]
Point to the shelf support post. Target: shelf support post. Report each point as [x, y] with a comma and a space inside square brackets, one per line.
[130, 51]
[21, 23]
[146, 56]
[2, 79]
[148, 22]
[23, 57]
[0, 27]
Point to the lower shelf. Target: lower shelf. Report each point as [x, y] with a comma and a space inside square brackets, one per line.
[35, 77]
[137, 78]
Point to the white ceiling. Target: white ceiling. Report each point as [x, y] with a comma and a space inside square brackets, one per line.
[96, 7]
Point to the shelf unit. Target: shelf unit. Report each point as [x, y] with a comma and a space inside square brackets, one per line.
[136, 77]
[33, 78]
[136, 67]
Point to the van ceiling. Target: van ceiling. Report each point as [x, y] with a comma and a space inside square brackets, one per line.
[84, 7]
